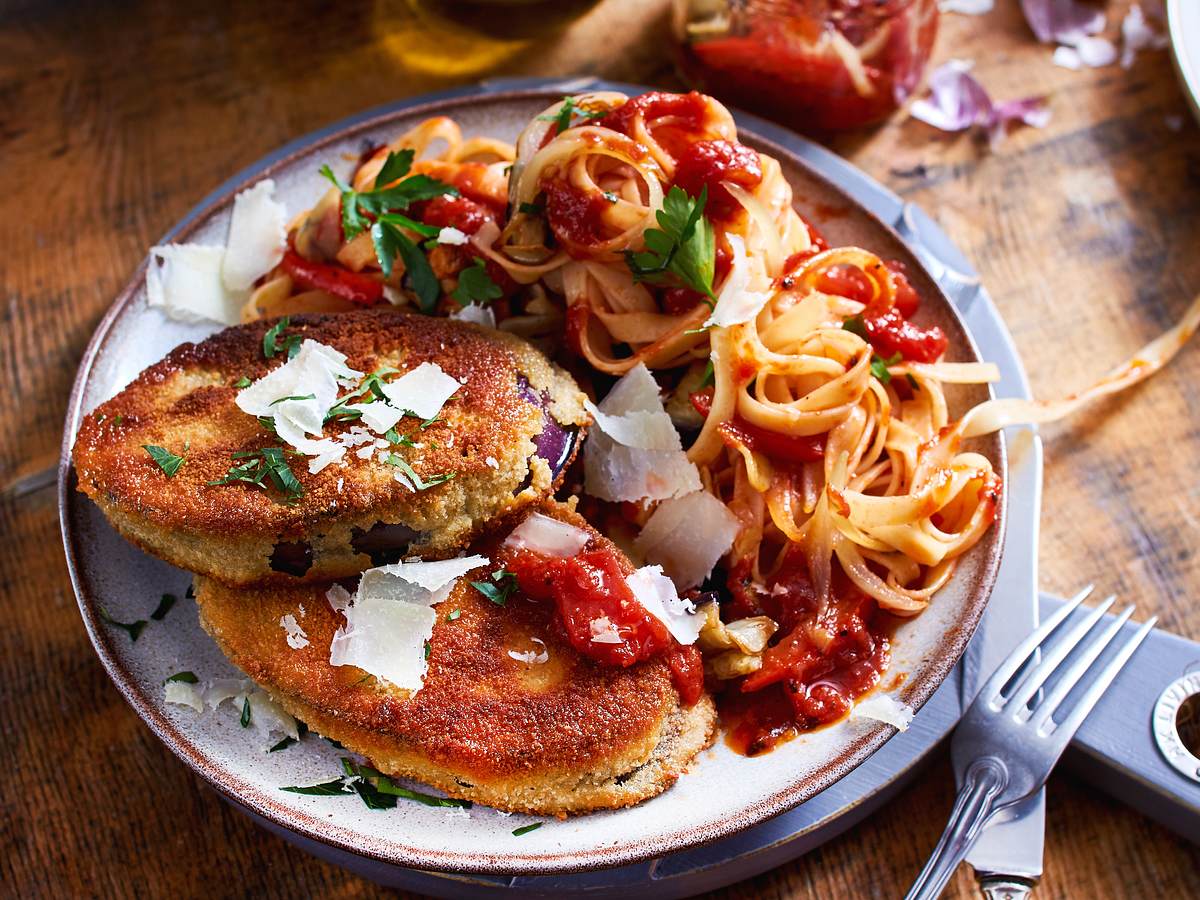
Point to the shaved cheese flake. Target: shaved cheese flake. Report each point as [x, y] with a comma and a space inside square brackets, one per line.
[473, 312]
[269, 717]
[654, 466]
[884, 708]
[966, 7]
[422, 392]
[185, 281]
[548, 536]
[604, 631]
[738, 301]
[452, 236]
[686, 536]
[434, 579]
[296, 637]
[385, 638]
[257, 236]
[655, 592]
[184, 694]
[532, 657]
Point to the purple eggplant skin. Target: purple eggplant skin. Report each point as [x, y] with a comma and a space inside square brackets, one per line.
[556, 442]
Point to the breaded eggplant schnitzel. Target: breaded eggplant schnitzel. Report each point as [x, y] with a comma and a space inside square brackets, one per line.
[510, 714]
[242, 507]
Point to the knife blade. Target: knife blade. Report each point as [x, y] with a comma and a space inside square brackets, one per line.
[1007, 857]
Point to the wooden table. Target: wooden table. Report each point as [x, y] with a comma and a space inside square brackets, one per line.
[116, 118]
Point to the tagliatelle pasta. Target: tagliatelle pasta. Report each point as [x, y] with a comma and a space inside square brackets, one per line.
[639, 232]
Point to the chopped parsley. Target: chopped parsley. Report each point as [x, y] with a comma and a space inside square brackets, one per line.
[262, 467]
[164, 607]
[610, 196]
[531, 209]
[273, 345]
[879, 366]
[475, 285]
[500, 588]
[376, 210]
[855, 325]
[454, 615]
[569, 109]
[117, 421]
[376, 790]
[245, 719]
[326, 789]
[421, 484]
[681, 249]
[293, 397]
[525, 829]
[710, 375]
[185, 677]
[242, 382]
[301, 730]
[133, 629]
[428, 649]
[166, 460]
[912, 382]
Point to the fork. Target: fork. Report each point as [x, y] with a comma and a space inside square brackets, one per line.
[1007, 743]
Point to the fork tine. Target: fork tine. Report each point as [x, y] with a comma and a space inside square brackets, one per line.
[1043, 713]
[1016, 659]
[1055, 654]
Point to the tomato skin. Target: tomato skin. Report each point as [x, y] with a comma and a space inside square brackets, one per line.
[317, 276]
[687, 672]
[890, 333]
[906, 298]
[466, 215]
[705, 164]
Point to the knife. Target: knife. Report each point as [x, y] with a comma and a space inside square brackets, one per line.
[1007, 858]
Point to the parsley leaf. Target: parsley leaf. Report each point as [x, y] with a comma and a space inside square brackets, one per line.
[395, 167]
[167, 461]
[531, 209]
[710, 375]
[260, 467]
[501, 587]
[385, 785]
[328, 789]
[454, 615]
[390, 241]
[245, 719]
[133, 629]
[682, 248]
[912, 382]
[421, 484]
[879, 366]
[525, 829]
[855, 325]
[242, 382]
[428, 649]
[293, 397]
[475, 285]
[164, 607]
[185, 677]
[610, 196]
[272, 345]
[562, 118]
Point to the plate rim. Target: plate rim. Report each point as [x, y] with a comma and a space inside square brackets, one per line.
[917, 690]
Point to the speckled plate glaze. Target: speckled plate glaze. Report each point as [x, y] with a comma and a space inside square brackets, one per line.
[722, 794]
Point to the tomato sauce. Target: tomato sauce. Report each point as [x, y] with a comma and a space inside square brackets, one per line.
[467, 215]
[591, 586]
[804, 684]
[782, 448]
[683, 114]
[577, 219]
[706, 164]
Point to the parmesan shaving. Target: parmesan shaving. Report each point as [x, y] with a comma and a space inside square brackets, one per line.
[184, 694]
[297, 639]
[686, 536]
[652, 465]
[655, 592]
[604, 631]
[473, 312]
[390, 619]
[184, 280]
[422, 392]
[884, 708]
[548, 536]
[738, 303]
[452, 236]
[257, 236]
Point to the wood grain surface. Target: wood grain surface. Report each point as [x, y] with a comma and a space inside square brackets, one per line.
[116, 117]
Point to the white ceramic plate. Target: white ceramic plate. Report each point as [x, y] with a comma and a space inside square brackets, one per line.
[722, 794]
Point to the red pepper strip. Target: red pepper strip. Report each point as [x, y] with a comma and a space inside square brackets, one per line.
[784, 447]
[316, 276]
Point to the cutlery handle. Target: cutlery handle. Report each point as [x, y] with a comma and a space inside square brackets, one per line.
[981, 785]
